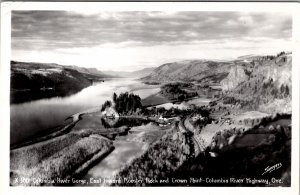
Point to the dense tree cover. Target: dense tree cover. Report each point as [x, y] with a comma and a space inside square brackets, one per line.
[174, 91]
[257, 91]
[115, 96]
[269, 57]
[280, 54]
[175, 112]
[164, 112]
[105, 105]
[272, 57]
[127, 103]
[270, 89]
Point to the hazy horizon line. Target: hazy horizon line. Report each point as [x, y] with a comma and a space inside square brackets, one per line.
[153, 66]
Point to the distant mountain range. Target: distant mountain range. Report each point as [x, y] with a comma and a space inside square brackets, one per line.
[91, 71]
[135, 74]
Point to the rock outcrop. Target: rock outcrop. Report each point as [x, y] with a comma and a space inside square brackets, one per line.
[235, 77]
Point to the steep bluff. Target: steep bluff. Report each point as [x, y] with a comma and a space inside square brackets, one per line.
[235, 77]
[263, 84]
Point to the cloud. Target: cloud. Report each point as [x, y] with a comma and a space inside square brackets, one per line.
[103, 37]
[50, 29]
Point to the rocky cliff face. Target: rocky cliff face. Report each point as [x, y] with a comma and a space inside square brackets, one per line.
[235, 77]
[262, 84]
[279, 70]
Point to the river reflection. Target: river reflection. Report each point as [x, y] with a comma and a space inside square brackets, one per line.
[28, 119]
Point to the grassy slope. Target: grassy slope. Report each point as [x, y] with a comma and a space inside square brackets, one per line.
[208, 71]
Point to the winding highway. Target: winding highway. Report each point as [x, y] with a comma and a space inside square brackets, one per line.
[199, 145]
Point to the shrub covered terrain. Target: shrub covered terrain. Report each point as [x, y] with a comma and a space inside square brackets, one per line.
[176, 92]
[164, 157]
[247, 156]
[61, 157]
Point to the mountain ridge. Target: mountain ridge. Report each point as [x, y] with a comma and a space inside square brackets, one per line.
[134, 74]
[32, 81]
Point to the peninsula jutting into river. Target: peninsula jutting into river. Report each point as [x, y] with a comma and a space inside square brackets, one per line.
[222, 125]
[151, 94]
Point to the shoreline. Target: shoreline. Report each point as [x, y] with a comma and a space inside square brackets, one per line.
[100, 155]
[87, 136]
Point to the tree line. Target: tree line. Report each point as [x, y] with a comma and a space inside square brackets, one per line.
[125, 103]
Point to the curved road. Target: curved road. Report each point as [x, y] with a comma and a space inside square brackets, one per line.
[198, 145]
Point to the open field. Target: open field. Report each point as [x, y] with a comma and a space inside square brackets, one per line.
[199, 101]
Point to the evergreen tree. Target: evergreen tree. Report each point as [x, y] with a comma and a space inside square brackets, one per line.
[115, 97]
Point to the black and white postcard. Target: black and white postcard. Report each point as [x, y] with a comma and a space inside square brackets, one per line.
[197, 96]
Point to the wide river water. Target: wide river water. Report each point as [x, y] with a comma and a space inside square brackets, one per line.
[30, 118]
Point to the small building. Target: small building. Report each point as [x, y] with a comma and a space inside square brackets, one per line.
[110, 112]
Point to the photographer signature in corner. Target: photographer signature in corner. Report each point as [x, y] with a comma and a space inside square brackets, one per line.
[269, 169]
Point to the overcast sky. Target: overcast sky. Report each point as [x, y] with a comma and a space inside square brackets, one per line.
[127, 41]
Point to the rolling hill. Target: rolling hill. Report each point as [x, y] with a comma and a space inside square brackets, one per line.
[31, 81]
[90, 71]
[135, 74]
[190, 70]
